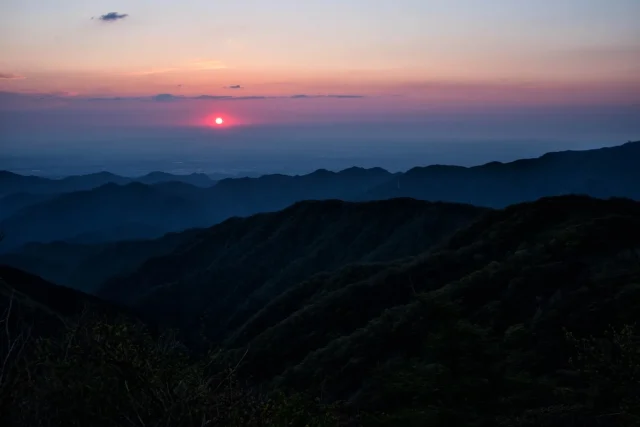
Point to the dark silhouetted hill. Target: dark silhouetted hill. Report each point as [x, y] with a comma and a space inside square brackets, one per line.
[231, 270]
[247, 196]
[604, 173]
[86, 266]
[14, 202]
[522, 317]
[13, 183]
[472, 331]
[197, 179]
[44, 306]
[112, 212]
[108, 213]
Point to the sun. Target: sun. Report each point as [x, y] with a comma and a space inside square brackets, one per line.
[219, 120]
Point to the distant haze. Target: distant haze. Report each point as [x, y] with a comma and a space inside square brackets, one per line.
[57, 147]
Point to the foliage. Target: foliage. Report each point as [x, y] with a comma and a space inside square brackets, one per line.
[610, 366]
[115, 373]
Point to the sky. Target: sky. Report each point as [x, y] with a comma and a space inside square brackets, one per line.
[71, 69]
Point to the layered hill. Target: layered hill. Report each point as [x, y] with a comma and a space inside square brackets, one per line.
[108, 213]
[29, 302]
[18, 192]
[233, 269]
[385, 307]
[133, 211]
[86, 266]
[166, 205]
[470, 333]
[11, 183]
[604, 172]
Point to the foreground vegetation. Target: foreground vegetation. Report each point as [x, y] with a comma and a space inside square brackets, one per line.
[100, 372]
[104, 372]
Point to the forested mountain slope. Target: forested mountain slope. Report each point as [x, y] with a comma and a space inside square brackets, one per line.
[233, 269]
[523, 317]
[472, 333]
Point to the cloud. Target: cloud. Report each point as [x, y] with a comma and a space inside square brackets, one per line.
[206, 65]
[150, 72]
[193, 66]
[234, 87]
[166, 97]
[115, 98]
[161, 97]
[244, 98]
[230, 98]
[325, 96]
[112, 17]
[10, 76]
[212, 97]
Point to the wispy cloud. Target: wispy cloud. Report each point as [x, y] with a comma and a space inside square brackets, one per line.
[152, 71]
[302, 96]
[207, 65]
[161, 97]
[112, 17]
[234, 87]
[193, 66]
[212, 97]
[11, 76]
[167, 97]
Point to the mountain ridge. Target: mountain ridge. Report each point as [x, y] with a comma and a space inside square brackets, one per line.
[282, 247]
[603, 173]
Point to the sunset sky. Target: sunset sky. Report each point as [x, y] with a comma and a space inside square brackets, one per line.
[160, 62]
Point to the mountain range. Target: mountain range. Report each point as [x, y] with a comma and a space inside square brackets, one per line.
[15, 183]
[208, 276]
[502, 295]
[393, 312]
[40, 210]
[20, 191]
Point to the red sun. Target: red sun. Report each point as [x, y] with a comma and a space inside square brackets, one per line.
[220, 120]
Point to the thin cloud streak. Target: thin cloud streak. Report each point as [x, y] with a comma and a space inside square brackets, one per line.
[161, 97]
[11, 76]
[303, 96]
[194, 66]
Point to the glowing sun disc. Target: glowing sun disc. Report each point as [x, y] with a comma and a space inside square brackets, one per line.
[219, 121]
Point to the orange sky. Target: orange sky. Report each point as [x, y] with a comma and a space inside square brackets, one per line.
[402, 55]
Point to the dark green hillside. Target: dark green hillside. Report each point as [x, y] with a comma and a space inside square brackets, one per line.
[474, 333]
[232, 270]
[40, 294]
[523, 318]
[37, 307]
[86, 266]
[69, 359]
